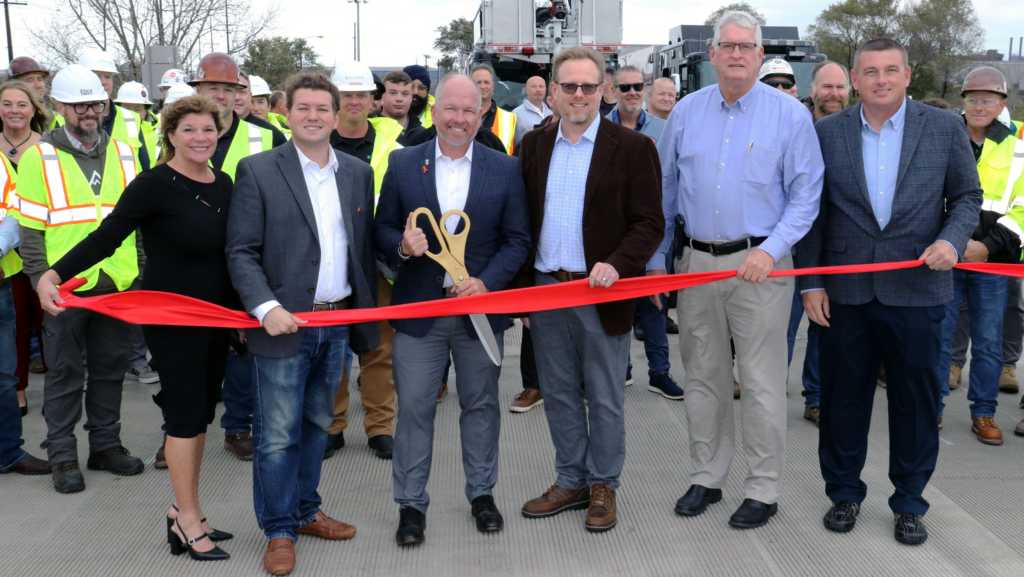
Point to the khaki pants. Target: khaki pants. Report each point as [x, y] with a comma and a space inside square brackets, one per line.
[377, 382]
[756, 317]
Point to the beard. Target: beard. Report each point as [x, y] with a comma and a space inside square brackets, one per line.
[821, 107]
[576, 116]
[454, 141]
[83, 135]
[417, 106]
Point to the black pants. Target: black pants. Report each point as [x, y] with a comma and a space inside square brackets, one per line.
[907, 342]
[528, 362]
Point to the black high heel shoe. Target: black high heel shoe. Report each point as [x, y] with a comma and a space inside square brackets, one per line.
[214, 534]
[178, 546]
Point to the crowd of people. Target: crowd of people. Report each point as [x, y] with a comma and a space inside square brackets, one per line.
[280, 202]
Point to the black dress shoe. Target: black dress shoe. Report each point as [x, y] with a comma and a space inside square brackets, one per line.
[382, 445]
[411, 524]
[117, 460]
[842, 516]
[67, 477]
[488, 518]
[696, 500]
[752, 513]
[910, 529]
[671, 327]
[334, 442]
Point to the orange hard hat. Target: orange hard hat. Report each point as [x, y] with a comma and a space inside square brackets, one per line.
[216, 67]
[24, 65]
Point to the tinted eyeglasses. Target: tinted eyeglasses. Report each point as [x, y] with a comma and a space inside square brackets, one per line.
[778, 83]
[96, 107]
[637, 86]
[570, 88]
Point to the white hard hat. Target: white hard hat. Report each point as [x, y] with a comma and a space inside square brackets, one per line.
[172, 77]
[98, 60]
[353, 77]
[259, 86]
[177, 92]
[776, 67]
[132, 93]
[76, 84]
[1004, 117]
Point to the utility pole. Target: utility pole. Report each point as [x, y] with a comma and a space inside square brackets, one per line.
[227, 31]
[7, 18]
[358, 29]
[355, 47]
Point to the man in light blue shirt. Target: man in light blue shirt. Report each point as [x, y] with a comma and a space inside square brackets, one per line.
[742, 167]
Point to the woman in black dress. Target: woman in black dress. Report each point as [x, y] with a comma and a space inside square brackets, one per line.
[181, 207]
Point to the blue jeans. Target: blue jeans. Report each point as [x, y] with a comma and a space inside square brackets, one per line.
[986, 302]
[292, 411]
[653, 321]
[237, 394]
[10, 417]
[811, 379]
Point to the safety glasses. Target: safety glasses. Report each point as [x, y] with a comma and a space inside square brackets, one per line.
[776, 83]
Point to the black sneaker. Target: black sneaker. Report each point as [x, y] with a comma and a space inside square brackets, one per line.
[117, 460]
[67, 477]
[382, 445]
[842, 516]
[910, 529]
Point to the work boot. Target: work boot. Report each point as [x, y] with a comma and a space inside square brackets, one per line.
[813, 414]
[67, 477]
[117, 460]
[160, 461]
[987, 431]
[955, 374]
[240, 444]
[1008, 380]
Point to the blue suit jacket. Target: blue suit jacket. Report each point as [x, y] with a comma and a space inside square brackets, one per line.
[499, 233]
[938, 197]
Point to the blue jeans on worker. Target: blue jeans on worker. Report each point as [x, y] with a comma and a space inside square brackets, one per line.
[652, 322]
[811, 379]
[986, 301]
[236, 394]
[10, 416]
[293, 406]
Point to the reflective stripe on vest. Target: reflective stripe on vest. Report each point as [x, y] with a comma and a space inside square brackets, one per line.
[129, 123]
[53, 172]
[1002, 205]
[1014, 228]
[10, 263]
[255, 139]
[504, 127]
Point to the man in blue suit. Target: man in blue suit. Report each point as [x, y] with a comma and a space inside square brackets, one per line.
[900, 184]
[447, 173]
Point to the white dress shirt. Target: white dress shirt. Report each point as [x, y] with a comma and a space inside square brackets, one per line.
[451, 178]
[332, 282]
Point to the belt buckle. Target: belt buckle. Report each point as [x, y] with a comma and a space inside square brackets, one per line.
[714, 250]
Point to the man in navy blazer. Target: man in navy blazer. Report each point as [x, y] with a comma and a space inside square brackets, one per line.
[448, 173]
[900, 184]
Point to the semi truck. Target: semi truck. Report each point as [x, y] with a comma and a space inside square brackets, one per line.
[520, 38]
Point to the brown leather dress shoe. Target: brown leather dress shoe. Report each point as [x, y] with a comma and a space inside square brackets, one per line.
[280, 557]
[601, 514]
[526, 400]
[326, 528]
[987, 431]
[443, 392]
[30, 466]
[555, 500]
[240, 444]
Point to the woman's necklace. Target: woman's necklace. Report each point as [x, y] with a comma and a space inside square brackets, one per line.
[14, 147]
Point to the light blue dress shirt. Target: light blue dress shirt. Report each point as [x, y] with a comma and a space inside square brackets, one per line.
[561, 235]
[747, 170]
[882, 161]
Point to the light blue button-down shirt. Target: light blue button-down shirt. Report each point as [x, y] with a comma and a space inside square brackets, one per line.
[561, 236]
[882, 161]
[747, 170]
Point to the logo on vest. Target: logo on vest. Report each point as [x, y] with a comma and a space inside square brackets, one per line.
[97, 178]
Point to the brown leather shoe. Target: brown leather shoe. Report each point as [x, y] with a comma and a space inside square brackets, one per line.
[955, 376]
[555, 500]
[601, 514]
[30, 466]
[813, 414]
[326, 528]
[987, 431]
[240, 444]
[160, 461]
[526, 400]
[1019, 431]
[443, 392]
[940, 423]
[280, 557]
[1008, 380]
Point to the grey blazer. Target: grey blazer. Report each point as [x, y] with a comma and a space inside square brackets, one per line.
[938, 197]
[273, 248]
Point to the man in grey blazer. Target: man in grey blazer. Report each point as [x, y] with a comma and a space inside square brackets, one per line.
[900, 184]
[299, 240]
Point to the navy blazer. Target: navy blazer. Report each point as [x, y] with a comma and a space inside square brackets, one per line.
[938, 197]
[499, 232]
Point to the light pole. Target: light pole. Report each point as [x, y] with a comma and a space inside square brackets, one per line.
[358, 34]
[301, 65]
[426, 61]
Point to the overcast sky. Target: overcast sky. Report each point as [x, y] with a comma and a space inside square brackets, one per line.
[400, 32]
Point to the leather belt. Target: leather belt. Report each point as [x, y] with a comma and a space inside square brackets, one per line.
[563, 276]
[724, 248]
[338, 306]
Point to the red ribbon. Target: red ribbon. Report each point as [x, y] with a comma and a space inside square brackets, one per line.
[160, 308]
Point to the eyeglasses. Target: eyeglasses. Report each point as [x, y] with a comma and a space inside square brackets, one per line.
[96, 107]
[783, 84]
[985, 102]
[421, 88]
[745, 47]
[570, 88]
[625, 88]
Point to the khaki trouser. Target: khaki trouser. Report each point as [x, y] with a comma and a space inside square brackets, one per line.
[377, 382]
[756, 317]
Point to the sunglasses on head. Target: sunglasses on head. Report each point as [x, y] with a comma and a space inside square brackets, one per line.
[776, 83]
[625, 88]
[570, 88]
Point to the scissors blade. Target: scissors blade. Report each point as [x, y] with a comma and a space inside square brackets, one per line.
[483, 330]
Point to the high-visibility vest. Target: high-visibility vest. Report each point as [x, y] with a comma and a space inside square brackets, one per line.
[999, 167]
[280, 123]
[249, 140]
[504, 127]
[54, 196]
[1020, 129]
[56, 121]
[11, 262]
[385, 141]
[128, 128]
[425, 118]
[151, 134]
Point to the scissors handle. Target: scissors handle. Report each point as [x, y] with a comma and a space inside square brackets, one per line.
[455, 268]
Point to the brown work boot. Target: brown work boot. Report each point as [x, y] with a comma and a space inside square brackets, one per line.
[526, 400]
[444, 391]
[160, 461]
[601, 514]
[241, 445]
[280, 557]
[987, 431]
[555, 500]
[326, 528]
[813, 414]
[955, 374]
[1008, 380]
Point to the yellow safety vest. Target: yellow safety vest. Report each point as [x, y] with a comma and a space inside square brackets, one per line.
[128, 128]
[249, 140]
[56, 121]
[425, 118]
[385, 141]
[504, 127]
[151, 134]
[11, 262]
[53, 195]
[280, 123]
[999, 167]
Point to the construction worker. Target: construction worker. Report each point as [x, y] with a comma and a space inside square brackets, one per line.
[371, 140]
[55, 214]
[278, 109]
[261, 92]
[172, 77]
[121, 124]
[500, 121]
[777, 73]
[243, 108]
[422, 100]
[1000, 157]
[135, 97]
[28, 70]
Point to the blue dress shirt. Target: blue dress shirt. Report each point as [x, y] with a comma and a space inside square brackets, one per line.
[747, 170]
[882, 161]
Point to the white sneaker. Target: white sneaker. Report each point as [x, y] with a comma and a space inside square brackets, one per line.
[144, 374]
